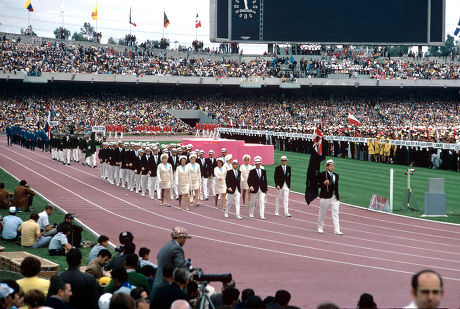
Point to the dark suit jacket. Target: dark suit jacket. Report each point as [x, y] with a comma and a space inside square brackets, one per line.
[280, 177]
[21, 196]
[125, 158]
[137, 164]
[333, 187]
[255, 182]
[55, 303]
[170, 254]
[210, 166]
[203, 167]
[233, 182]
[145, 165]
[171, 161]
[85, 291]
[152, 167]
[166, 295]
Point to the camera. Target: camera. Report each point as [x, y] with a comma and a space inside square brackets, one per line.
[199, 276]
[188, 265]
[124, 238]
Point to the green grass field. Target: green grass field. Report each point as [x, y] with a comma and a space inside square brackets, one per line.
[360, 179]
[38, 206]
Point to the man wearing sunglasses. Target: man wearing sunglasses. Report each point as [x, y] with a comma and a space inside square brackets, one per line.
[426, 289]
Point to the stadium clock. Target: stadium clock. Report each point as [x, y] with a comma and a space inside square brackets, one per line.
[245, 9]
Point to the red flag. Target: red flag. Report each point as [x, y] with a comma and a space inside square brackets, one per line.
[197, 22]
[130, 21]
[318, 142]
[353, 120]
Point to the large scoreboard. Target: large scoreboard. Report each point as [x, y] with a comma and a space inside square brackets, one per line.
[358, 22]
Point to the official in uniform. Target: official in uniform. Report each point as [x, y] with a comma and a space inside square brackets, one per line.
[257, 182]
[233, 183]
[329, 197]
[283, 183]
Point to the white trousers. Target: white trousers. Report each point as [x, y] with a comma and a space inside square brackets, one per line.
[261, 197]
[282, 194]
[152, 181]
[144, 184]
[131, 182]
[91, 160]
[137, 181]
[122, 176]
[116, 174]
[324, 204]
[75, 154]
[67, 156]
[204, 186]
[103, 170]
[230, 197]
[110, 171]
[125, 179]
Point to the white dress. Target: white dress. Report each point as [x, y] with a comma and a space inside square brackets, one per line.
[183, 181]
[194, 176]
[165, 175]
[244, 175]
[221, 186]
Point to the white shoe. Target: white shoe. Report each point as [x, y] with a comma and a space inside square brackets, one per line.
[226, 215]
[251, 216]
[122, 186]
[287, 215]
[142, 194]
[131, 190]
[152, 198]
[338, 233]
[320, 231]
[262, 218]
[277, 214]
[118, 184]
[239, 217]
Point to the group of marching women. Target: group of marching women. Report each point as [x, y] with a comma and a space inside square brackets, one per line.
[175, 171]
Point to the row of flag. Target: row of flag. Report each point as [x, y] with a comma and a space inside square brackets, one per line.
[94, 15]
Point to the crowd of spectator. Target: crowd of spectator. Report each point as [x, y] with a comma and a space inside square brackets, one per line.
[43, 56]
[427, 119]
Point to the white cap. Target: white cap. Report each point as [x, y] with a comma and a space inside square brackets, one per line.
[211, 151]
[201, 151]
[223, 150]
[163, 155]
[104, 301]
[174, 150]
[193, 155]
[220, 159]
[148, 149]
[246, 156]
[257, 160]
[120, 142]
[228, 157]
[235, 161]
[182, 157]
[12, 209]
[283, 158]
[329, 162]
[140, 151]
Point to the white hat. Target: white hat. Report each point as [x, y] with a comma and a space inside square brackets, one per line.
[12, 209]
[246, 156]
[211, 151]
[283, 158]
[163, 155]
[257, 160]
[228, 157]
[104, 301]
[174, 150]
[329, 162]
[201, 151]
[120, 142]
[223, 150]
[193, 155]
[182, 157]
[235, 161]
[148, 149]
[220, 159]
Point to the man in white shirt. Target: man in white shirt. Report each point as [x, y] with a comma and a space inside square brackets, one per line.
[427, 289]
[43, 221]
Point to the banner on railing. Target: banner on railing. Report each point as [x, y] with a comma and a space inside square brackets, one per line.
[400, 143]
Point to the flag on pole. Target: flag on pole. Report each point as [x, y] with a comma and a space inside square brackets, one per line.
[94, 13]
[28, 6]
[457, 31]
[197, 22]
[317, 155]
[165, 21]
[61, 9]
[47, 126]
[130, 21]
[353, 120]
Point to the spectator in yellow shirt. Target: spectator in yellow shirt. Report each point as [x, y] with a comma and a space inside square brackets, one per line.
[30, 268]
[370, 149]
[31, 235]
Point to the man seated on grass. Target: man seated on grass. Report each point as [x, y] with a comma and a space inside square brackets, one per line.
[103, 243]
[4, 196]
[96, 266]
[59, 244]
[30, 268]
[43, 221]
[134, 278]
[31, 235]
[11, 223]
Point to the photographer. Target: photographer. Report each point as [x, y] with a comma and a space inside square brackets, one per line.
[75, 231]
[166, 295]
[23, 196]
[119, 260]
[171, 254]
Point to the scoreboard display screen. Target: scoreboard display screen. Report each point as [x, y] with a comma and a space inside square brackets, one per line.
[379, 22]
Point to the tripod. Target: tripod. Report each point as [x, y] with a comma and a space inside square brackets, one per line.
[204, 297]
